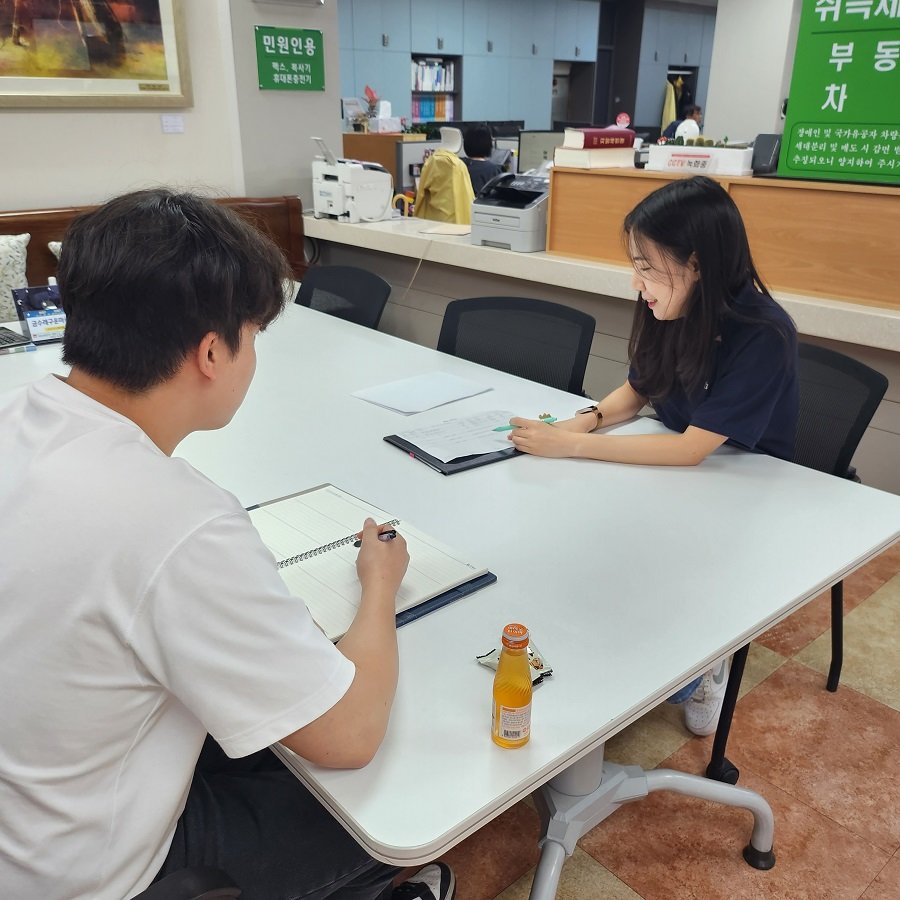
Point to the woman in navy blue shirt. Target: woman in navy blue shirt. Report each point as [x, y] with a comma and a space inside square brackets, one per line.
[710, 350]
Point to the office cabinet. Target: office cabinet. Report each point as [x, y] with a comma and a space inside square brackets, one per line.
[677, 37]
[648, 101]
[681, 34]
[487, 27]
[532, 30]
[436, 26]
[693, 38]
[709, 30]
[577, 25]
[530, 92]
[388, 74]
[381, 24]
[486, 87]
[650, 36]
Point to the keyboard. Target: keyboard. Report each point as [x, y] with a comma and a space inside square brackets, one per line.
[10, 338]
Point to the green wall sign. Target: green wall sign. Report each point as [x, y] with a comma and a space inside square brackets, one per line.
[289, 59]
[843, 116]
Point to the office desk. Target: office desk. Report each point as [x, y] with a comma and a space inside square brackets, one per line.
[633, 580]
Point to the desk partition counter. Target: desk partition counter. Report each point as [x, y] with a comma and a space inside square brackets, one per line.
[576, 261]
[632, 579]
[827, 240]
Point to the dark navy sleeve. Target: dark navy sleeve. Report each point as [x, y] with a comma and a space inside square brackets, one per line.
[747, 387]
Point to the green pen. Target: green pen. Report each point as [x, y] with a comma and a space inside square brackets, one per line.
[549, 420]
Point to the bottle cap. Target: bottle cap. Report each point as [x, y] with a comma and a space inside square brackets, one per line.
[515, 636]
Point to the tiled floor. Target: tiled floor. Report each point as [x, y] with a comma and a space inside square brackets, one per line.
[828, 764]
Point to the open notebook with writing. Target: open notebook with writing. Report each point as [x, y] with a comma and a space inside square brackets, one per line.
[312, 533]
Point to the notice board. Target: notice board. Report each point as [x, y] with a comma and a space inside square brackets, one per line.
[843, 115]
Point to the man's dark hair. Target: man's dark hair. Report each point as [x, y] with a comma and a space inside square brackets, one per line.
[689, 110]
[478, 142]
[146, 276]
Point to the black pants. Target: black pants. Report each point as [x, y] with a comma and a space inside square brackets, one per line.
[253, 819]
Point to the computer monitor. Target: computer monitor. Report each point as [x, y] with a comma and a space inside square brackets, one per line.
[536, 147]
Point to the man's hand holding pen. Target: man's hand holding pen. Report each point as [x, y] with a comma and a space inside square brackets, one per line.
[383, 557]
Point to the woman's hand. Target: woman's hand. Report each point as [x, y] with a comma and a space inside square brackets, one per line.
[540, 439]
[381, 565]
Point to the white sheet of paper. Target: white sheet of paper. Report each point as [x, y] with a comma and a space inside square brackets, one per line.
[465, 436]
[421, 392]
[448, 228]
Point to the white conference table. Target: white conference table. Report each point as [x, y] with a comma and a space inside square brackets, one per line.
[633, 580]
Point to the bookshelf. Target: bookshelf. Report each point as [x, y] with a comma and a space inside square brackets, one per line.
[435, 83]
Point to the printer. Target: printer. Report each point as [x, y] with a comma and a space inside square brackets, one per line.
[351, 191]
[510, 212]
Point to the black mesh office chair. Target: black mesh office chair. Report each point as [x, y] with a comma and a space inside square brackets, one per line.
[196, 883]
[535, 339]
[347, 292]
[838, 397]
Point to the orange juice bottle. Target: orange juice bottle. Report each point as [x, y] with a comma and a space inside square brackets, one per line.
[511, 719]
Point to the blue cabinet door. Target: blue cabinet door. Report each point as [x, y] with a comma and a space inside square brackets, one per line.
[345, 24]
[587, 20]
[487, 27]
[706, 44]
[565, 29]
[531, 91]
[650, 37]
[485, 87]
[388, 73]
[577, 24]
[532, 30]
[681, 31]
[672, 37]
[693, 39]
[437, 26]
[381, 24]
[648, 102]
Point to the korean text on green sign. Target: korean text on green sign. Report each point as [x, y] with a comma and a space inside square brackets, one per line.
[289, 59]
[843, 117]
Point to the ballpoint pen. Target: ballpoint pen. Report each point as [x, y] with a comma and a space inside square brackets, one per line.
[548, 420]
[384, 536]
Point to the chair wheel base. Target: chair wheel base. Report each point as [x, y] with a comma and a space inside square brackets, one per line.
[723, 770]
[759, 859]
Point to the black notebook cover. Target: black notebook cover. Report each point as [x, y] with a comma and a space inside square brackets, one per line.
[455, 465]
[448, 597]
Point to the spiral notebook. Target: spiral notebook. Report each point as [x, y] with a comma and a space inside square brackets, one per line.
[312, 536]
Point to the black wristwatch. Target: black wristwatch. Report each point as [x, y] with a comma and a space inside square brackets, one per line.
[592, 409]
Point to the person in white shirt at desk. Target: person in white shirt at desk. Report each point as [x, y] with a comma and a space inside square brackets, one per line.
[141, 609]
[710, 350]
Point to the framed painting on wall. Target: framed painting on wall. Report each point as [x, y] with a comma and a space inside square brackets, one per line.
[93, 53]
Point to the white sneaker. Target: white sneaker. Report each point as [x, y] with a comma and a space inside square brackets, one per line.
[703, 707]
[435, 882]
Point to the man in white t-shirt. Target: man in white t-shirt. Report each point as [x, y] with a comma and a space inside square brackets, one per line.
[140, 609]
[687, 126]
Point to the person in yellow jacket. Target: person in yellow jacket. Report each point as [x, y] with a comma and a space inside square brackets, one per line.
[445, 190]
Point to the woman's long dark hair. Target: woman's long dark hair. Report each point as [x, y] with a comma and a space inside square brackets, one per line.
[689, 221]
